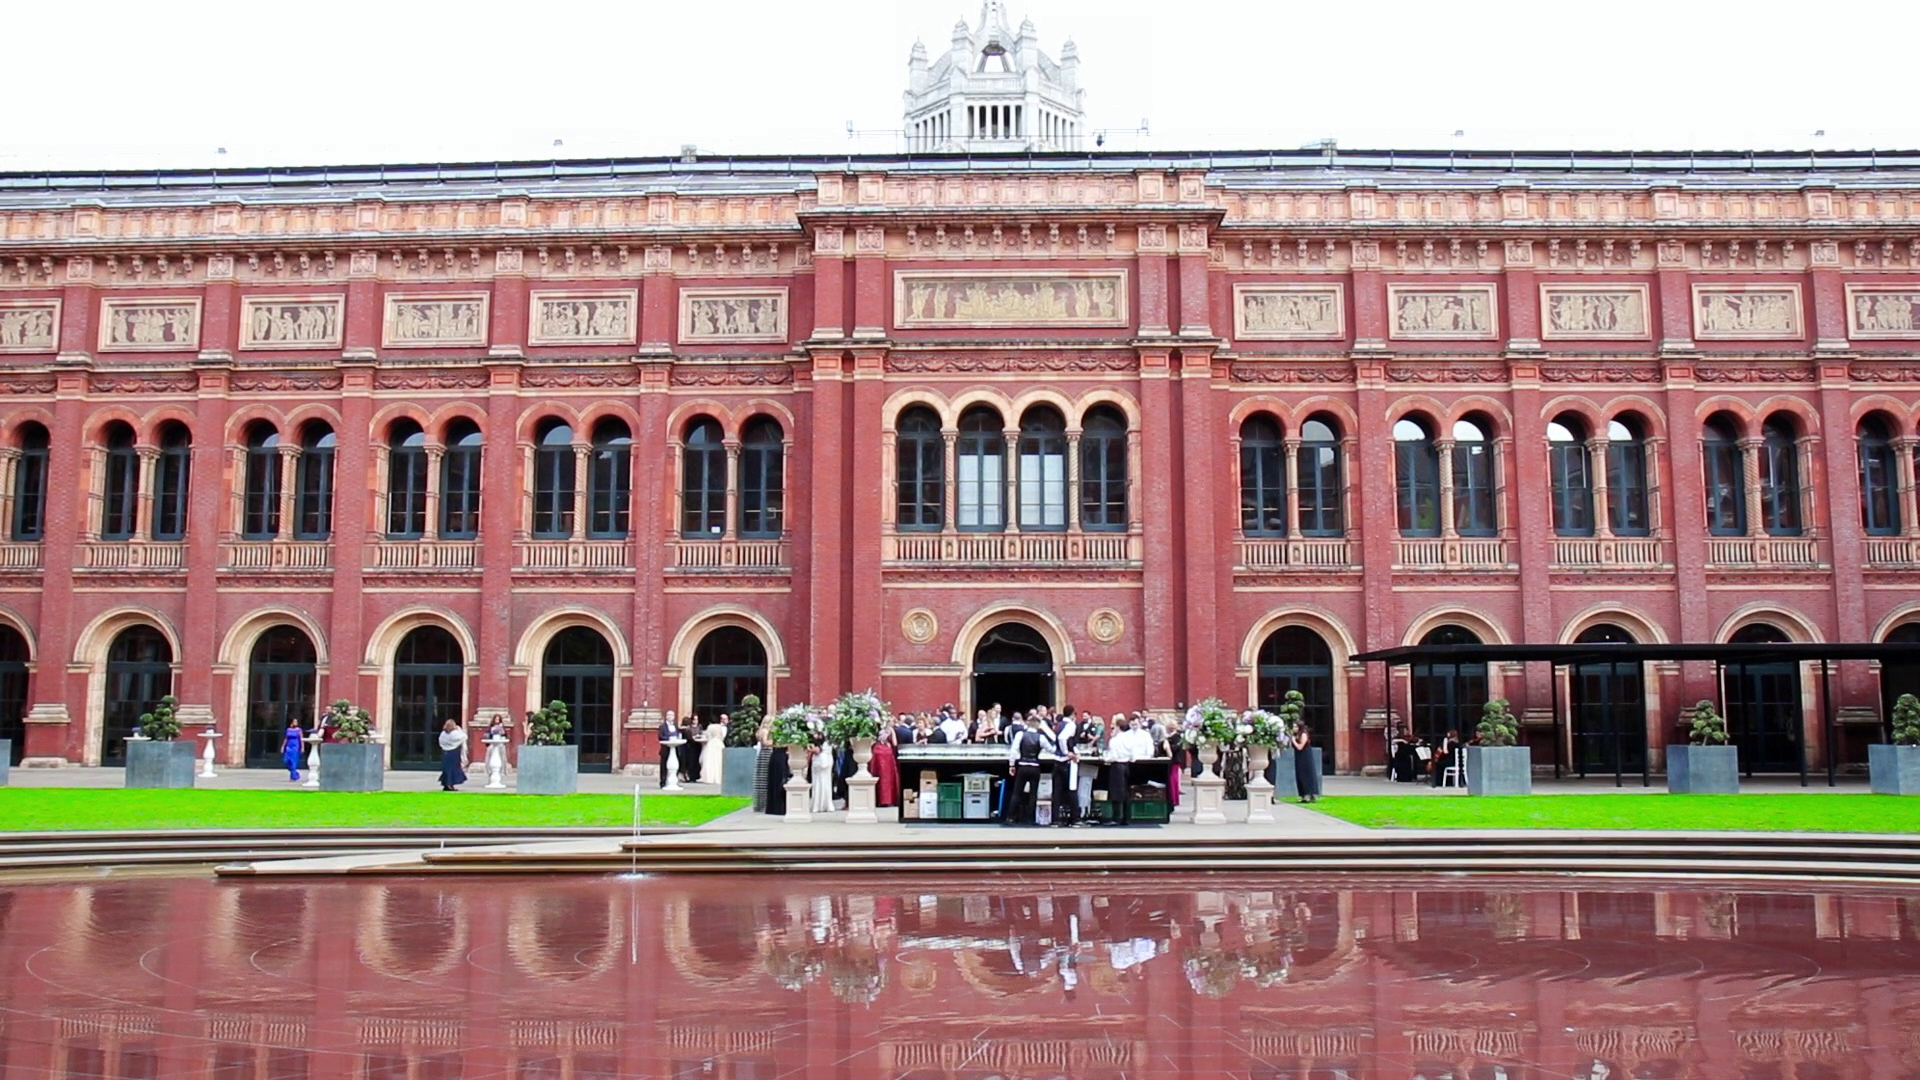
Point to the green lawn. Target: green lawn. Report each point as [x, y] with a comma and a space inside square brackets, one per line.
[47, 809]
[1738, 813]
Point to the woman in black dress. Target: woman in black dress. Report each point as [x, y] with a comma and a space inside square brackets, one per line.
[1305, 773]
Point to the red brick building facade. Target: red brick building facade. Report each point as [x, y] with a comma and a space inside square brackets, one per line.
[1125, 431]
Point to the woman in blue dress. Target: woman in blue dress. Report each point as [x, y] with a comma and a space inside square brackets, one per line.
[291, 749]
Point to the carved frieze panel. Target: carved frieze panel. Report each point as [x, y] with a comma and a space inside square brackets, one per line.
[1010, 298]
[1449, 313]
[148, 324]
[1594, 312]
[418, 320]
[583, 318]
[28, 326]
[1289, 312]
[291, 322]
[726, 316]
[1746, 312]
[1875, 312]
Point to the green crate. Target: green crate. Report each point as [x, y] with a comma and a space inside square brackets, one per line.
[1150, 811]
[950, 808]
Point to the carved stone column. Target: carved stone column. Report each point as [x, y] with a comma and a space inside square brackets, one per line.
[1655, 455]
[1806, 452]
[93, 524]
[890, 477]
[381, 487]
[1292, 478]
[1751, 448]
[435, 452]
[1448, 530]
[1903, 451]
[237, 491]
[730, 526]
[9, 471]
[1597, 470]
[149, 476]
[1071, 478]
[1349, 522]
[1010, 506]
[529, 480]
[950, 486]
[289, 469]
[582, 462]
[1502, 452]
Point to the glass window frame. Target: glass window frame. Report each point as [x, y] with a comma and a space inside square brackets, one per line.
[703, 497]
[1263, 479]
[762, 481]
[920, 466]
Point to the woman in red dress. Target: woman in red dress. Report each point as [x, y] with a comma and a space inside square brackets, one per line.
[885, 766]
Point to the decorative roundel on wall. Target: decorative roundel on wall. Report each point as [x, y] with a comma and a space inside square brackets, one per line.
[920, 626]
[1105, 626]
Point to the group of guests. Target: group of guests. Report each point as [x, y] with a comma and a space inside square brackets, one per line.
[452, 739]
[690, 766]
[1412, 759]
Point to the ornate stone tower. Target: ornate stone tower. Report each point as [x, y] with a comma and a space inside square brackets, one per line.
[994, 90]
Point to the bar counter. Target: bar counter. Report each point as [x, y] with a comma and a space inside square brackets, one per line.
[962, 782]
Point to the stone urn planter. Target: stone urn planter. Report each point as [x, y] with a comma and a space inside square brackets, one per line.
[354, 767]
[1499, 770]
[737, 769]
[1259, 791]
[1703, 770]
[1895, 769]
[546, 770]
[160, 763]
[799, 793]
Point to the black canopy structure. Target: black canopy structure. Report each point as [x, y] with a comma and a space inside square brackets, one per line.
[1721, 654]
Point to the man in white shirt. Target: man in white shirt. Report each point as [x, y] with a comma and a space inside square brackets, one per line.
[1063, 769]
[1123, 750]
[954, 728]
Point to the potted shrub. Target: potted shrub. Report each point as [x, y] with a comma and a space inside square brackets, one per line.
[741, 762]
[155, 757]
[1895, 766]
[549, 764]
[350, 760]
[1705, 764]
[1498, 765]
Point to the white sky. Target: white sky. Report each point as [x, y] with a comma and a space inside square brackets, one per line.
[163, 83]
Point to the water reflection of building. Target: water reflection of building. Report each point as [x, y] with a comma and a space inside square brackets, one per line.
[576, 980]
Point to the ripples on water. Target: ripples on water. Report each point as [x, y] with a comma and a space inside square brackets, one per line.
[750, 978]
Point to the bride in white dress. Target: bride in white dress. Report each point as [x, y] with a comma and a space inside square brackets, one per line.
[823, 779]
[713, 752]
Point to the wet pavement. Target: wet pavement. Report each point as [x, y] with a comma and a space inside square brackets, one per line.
[1437, 978]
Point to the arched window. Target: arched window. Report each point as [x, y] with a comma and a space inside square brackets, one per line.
[460, 482]
[173, 476]
[1473, 493]
[610, 481]
[1568, 467]
[30, 484]
[762, 479]
[1726, 478]
[1448, 694]
[703, 481]
[1627, 487]
[729, 664]
[1043, 470]
[1879, 479]
[313, 484]
[281, 676]
[406, 481]
[1318, 478]
[982, 467]
[1263, 477]
[1103, 469]
[260, 492]
[139, 674]
[1417, 477]
[920, 467]
[553, 480]
[120, 490]
[1780, 477]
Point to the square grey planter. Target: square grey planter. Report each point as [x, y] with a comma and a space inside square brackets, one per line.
[1499, 770]
[737, 770]
[157, 764]
[1286, 782]
[1703, 770]
[547, 770]
[1895, 769]
[6, 760]
[356, 767]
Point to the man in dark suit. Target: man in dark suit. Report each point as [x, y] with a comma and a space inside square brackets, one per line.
[669, 730]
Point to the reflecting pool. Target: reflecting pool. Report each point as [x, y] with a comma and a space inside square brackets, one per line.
[744, 978]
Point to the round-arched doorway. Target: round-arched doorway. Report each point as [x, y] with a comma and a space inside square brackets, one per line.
[139, 674]
[1764, 710]
[13, 691]
[1013, 668]
[729, 664]
[1448, 694]
[1296, 658]
[577, 668]
[1609, 702]
[282, 671]
[429, 689]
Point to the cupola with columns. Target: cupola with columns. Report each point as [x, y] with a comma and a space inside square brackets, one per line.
[994, 90]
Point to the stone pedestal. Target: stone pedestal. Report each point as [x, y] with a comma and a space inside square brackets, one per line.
[1259, 788]
[496, 762]
[799, 792]
[860, 786]
[313, 741]
[46, 732]
[674, 748]
[1209, 789]
[208, 737]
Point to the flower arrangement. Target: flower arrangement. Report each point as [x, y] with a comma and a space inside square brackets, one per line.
[1906, 721]
[797, 725]
[1497, 724]
[549, 726]
[349, 723]
[1211, 721]
[163, 723]
[744, 728]
[1709, 727]
[856, 716]
[1261, 728]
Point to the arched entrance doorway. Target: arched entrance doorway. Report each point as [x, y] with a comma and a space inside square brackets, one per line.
[13, 692]
[729, 664]
[1896, 678]
[1296, 658]
[577, 668]
[1448, 695]
[1609, 708]
[1013, 667]
[139, 674]
[429, 688]
[281, 674]
[1763, 705]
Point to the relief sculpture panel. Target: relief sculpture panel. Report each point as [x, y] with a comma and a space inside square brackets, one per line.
[1455, 313]
[724, 316]
[1739, 312]
[1874, 312]
[1590, 312]
[415, 321]
[1010, 298]
[1289, 312]
[150, 325]
[291, 322]
[29, 325]
[582, 318]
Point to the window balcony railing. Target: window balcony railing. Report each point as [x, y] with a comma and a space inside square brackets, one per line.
[423, 555]
[132, 555]
[1802, 551]
[572, 555]
[1892, 550]
[1000, 549]
[19, 556]
[706, 556]
[1584, 552]
[1299, 553]
[1440, 553]
[277, 555]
